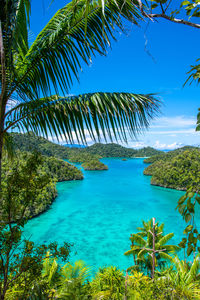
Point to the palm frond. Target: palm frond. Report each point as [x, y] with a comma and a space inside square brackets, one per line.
[107, 115]
[194, 270]
[20, 27]
[180, 265]
[134, 250]
[77, 271]
[166, 256]
[165, 239]
[70, 39]
[171, 248]
[138, 239]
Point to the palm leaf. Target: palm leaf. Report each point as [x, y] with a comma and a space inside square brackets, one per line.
[138, 239]
[165, 239]
[74, 34]
[77, 271]
[194, 270]
[180, 265]
[107, 115]
[166, 256]
[134, 250]
[172, 248]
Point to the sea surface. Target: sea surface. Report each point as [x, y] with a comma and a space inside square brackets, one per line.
[99, 213]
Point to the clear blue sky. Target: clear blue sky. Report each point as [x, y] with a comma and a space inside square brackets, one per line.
[129, 68]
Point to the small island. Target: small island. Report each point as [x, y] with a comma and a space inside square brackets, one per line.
[176, 169]
[94, 165]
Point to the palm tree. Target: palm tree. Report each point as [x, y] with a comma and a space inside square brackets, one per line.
[109, 283]
[32, 76]
[60, 282]
[183, 278]
[142, 247]
[73, 279]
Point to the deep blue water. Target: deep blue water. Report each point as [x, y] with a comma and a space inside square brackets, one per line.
[99, 213]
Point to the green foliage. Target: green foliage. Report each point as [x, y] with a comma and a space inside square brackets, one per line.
[142, 247]
[27, 189]
[141, 287]
[186, 8]
[109, 283]
[187, 207]
[178, 170]
[94, 165]
[165, 156]
[72, 282]
[114, 150]
[30, 142]
[61, 170]
[183, 277]
[25, 185]
[15, 175]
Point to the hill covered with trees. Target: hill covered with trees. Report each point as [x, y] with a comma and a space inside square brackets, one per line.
[168, 155]
[115, 150]
[30, 142]
[177, 169]
[47, 171]
[94, 165]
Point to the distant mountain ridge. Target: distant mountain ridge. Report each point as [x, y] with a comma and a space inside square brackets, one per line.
[30, 142]
[116, 150]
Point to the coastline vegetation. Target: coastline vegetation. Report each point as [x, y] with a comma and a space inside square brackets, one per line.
[30, 142]
[168, 155]
[116, 150]
[177, 169]
[94, 165]
[50, 169]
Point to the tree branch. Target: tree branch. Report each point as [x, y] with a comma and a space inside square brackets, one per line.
[175, 20]
[164, 16]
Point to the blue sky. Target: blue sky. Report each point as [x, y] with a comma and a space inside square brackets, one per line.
[128, 67]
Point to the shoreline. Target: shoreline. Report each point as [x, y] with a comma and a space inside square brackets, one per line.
[168, 187]
[51, 201]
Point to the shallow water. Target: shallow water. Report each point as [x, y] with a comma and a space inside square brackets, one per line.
[99, 213]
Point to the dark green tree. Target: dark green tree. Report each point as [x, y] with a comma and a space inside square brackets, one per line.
[20, 260]
[150, 248]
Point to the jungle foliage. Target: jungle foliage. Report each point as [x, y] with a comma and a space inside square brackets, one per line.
[30, 142]
[168, 155]
[94, 165]
[177, 170]
[25, 186]
[49, 169]
[115, 150]
[175, 280]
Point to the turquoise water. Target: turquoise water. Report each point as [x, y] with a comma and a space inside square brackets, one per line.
[99, 213]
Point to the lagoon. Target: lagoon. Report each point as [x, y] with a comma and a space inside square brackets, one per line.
[99, 213]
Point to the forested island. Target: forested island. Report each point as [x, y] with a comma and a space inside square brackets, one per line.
[176, 169]
[94, 165]
[168, 155]
[46, 172]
